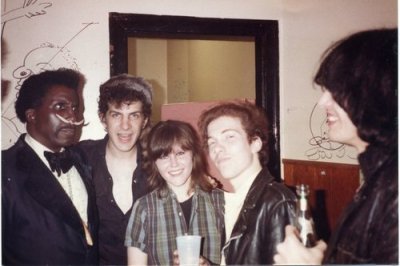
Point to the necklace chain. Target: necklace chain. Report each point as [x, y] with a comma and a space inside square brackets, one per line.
[70, 194]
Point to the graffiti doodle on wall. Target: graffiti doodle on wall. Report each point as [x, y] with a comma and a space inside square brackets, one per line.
[29, 9]
[321, 146]
[47, 56]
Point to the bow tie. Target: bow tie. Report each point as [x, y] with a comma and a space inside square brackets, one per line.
[59, 161]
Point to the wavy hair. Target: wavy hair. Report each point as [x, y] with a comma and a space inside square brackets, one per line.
[252, 118]
[125, 88]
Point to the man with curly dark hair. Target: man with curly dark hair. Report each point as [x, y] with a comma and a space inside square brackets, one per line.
[124, 109]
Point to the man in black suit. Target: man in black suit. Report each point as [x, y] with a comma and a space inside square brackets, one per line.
[49, 213]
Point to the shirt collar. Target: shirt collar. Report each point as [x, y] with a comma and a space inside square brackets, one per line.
[38, 148]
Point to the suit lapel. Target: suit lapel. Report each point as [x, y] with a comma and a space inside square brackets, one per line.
[85, 172]
[45, 189]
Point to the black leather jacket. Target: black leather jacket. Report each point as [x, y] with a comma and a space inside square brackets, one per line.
[367, 232]
[269, 206]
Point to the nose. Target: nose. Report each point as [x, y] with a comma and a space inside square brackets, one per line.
[125, 123]
[216, 149]
[325, 99]
[173, 160]
[71, 114]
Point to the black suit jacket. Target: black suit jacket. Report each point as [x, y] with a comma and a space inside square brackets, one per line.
[40, 224]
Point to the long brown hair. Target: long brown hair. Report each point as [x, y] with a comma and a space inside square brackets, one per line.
[161, 139]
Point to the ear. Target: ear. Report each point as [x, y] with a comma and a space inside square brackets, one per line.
[102, 118]
[256, 145]
[30, 115]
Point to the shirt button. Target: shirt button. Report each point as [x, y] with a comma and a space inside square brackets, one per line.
[180, 214]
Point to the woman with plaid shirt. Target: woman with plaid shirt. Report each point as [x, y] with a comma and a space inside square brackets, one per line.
[184, 199]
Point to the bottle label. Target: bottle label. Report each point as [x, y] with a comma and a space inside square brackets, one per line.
[303, 204]
[306, 230]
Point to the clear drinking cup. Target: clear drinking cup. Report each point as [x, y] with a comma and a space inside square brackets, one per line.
[188, 249]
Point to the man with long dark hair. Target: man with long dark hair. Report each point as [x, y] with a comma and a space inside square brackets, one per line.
[359, 80]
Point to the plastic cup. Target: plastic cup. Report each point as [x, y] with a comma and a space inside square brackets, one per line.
[188, 249]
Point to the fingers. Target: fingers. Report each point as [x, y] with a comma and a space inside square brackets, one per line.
[290, 230]
[203, 261]
[322, 245]
[176, 258]
[279, 260]
[318, 251]
[291, 251]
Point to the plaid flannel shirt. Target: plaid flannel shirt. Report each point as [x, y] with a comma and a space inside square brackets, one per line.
[156, 221]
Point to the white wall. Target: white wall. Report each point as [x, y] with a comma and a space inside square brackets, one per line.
[306, 31]
[75, 33]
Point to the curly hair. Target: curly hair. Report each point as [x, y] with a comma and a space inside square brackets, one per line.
[161, 139]
[35, 88]
[252, 118]
[125, 88]
[360, 71]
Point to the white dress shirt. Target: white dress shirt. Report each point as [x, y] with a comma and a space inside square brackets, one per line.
[70, 181]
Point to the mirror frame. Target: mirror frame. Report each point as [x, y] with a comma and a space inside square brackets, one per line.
[264, 32]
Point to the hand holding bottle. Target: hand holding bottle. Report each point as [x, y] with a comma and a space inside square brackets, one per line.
[292, 252]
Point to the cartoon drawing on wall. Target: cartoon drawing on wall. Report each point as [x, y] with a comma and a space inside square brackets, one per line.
[45, 57]
[29, 9]
[322, 146]
[40, 59]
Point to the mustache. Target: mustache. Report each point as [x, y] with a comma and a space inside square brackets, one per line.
[77, 123]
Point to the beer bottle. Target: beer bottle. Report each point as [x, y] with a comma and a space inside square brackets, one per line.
[305, 223]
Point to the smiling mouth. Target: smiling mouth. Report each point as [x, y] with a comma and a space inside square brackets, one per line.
[175, 172]
[222, 160]
[125, 138]
[330, 120]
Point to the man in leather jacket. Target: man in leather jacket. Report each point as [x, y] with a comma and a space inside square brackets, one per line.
[359, 76]
[259, 207]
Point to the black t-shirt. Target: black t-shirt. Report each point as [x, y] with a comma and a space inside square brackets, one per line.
[186, 207]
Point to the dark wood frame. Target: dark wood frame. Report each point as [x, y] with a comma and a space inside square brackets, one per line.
[264, 32]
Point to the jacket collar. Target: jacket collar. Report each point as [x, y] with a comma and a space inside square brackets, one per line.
[255, 192]
[257, 188]
[374, 158]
